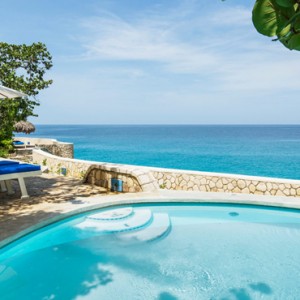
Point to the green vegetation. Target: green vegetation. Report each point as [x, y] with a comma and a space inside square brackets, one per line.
[280, 19]
[22, 67]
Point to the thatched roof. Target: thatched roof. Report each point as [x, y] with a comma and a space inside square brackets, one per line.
[24, 126]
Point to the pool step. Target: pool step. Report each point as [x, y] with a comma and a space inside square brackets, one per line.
[136, 220]
[159, 226]
[115, 214]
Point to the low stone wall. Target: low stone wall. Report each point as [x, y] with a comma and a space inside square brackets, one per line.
[134, 179]
[98, 176]
[228, 183]
[50, 145]
[137, 178]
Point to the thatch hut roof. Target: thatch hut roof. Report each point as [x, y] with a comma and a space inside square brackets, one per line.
[24, 126]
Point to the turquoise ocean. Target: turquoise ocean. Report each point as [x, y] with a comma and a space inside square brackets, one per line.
[272, 151]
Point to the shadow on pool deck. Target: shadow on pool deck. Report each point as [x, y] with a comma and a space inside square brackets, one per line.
[49, 196]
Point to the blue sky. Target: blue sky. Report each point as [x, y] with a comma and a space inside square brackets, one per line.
[156, 62]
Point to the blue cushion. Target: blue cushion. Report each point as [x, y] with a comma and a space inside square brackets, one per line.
[18, 143]
[21, 168]
[8, 162]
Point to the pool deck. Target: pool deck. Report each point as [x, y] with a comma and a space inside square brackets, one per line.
[55, 197]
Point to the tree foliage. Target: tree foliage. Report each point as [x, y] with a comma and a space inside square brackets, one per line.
[280, 19]
[22, 67]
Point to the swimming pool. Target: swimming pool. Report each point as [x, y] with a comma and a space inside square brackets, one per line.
[165, 252]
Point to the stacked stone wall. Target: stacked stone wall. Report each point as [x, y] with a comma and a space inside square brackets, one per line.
[103, 178]
[227, 184]
[50, 145]
[136, 179]
[59, 149]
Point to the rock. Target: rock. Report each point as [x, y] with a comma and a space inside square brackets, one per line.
[269, 186]
[225, 181]
[186, 177]
[190, 184]
[183, 183]
[246, 191]
[212, 184]
[280, 193]
[230, 187]
[241, 184]
[261, 187]
[219, 184]
[281, 186]
[236, 190]
[259, 192]
[197, 181]
[202, 188]
[130, 182]
[98, 175]
[203, 181]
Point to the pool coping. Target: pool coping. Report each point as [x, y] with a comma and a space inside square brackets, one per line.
[161, 196]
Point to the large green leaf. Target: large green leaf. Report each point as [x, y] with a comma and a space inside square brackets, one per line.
[286, 41]
[282, 33]
[285, 3]
[294, 42]
[297, 25]
[269, 18]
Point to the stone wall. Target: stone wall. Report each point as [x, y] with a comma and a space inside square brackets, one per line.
[50, 145]
[98, 176]
[228, 183]
[136, 178]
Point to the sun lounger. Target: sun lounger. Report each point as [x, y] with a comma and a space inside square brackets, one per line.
[7, 162]
[22, 145]
[18, 171]
[5, 185]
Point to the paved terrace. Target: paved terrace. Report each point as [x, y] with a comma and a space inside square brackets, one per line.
[50, 195]
[55, 197]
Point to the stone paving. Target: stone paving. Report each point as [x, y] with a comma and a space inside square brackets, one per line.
[50, 195]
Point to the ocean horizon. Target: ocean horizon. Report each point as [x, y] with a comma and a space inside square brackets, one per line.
[258, 150]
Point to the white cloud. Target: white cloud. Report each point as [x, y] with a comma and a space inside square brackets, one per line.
[236, 16]
[115, 39]
[222, 46]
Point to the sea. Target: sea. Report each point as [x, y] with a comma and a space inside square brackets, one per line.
[261, 150]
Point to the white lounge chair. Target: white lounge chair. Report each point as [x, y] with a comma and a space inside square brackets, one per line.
[14, 170]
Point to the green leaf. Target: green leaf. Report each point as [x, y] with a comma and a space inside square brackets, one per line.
[294, 42]
[297, 25]
[285, 3]
[284, 31]
[269, 18]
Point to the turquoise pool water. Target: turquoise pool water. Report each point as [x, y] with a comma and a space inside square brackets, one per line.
[163, 252]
